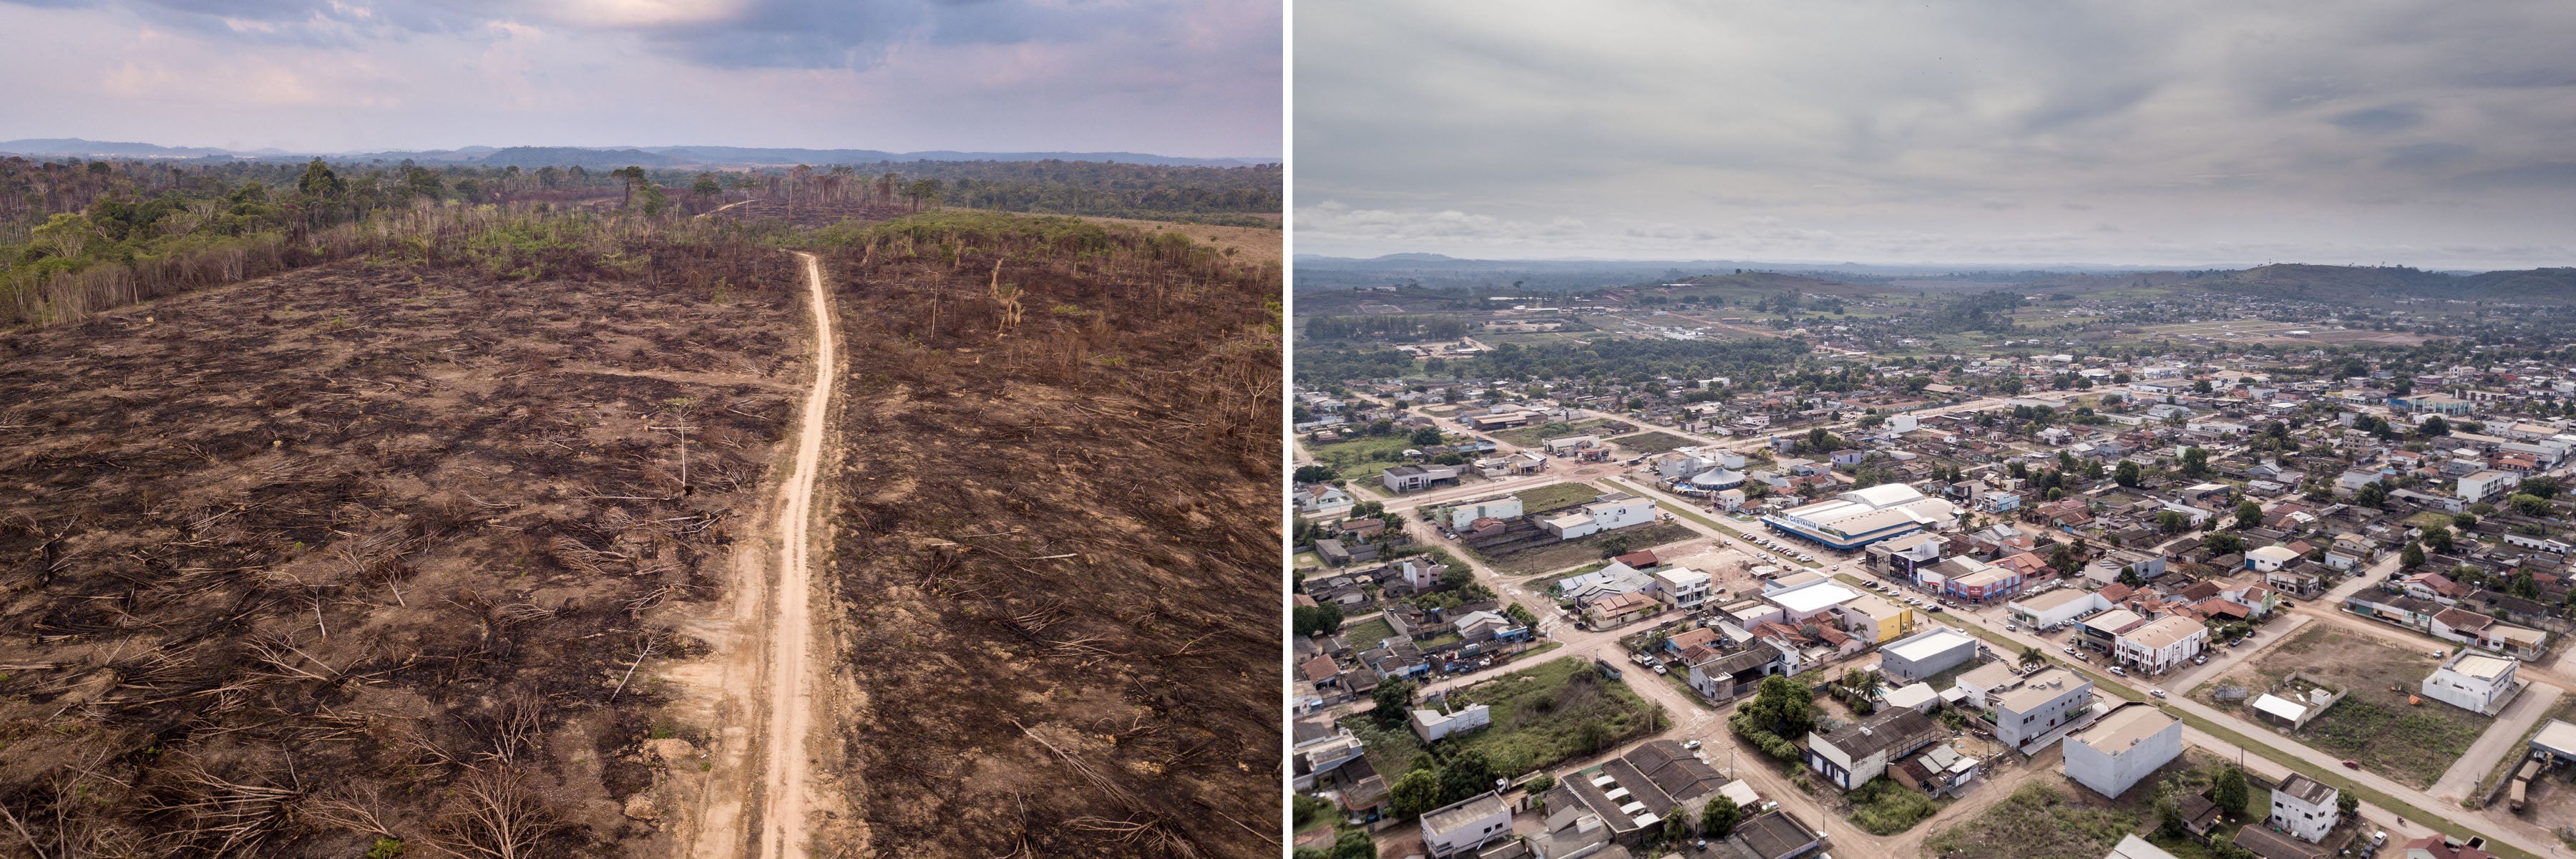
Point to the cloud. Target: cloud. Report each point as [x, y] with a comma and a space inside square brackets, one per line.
[2192, 124]
[1162, 76]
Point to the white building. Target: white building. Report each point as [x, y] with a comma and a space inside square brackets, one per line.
[1681, 587]
[1467, 825]
[2473, 682]
[2124, 746]
[1926, 653]
[1812, 598]
[2161, 645]
[2134, 847]
[1323, 501]
[1863, 516]
[1432, 725]
[2047, 698]
[2269, 558]
[1457, 516]
[2485, 485]
[2303, 807]
[1610, 512]
[2058, 607]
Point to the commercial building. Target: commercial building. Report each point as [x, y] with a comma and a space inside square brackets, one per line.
[2162, 645]
[2057, 608]
[2123, 747]
[1855, 753]
[1864, 516]
[2473, 682]
[1926, 653]
[2304, 807]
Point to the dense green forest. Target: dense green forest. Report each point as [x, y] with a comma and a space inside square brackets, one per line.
[76, 236]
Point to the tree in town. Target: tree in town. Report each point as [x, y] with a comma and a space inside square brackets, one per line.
[1323, 619]
[1539, 784]
[2412, 556]
[2230, 793]
[2032, 657]
[2128, 474]
[1314, 473]
[2195, 462]
[1466, 773]
[2248, 514]
[1426, 437]
[1720, 817]
[1417, 792]
[2347, 803]
[2370, 495]
[1782, 707]
[1394, 700]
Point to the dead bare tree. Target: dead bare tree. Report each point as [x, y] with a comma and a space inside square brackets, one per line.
[493, 813]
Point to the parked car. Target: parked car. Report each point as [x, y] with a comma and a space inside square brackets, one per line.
[1933, 610]
[2117, 671]
[2070, 650]
[2156, 692]
[1692, 745]
[2011, 628]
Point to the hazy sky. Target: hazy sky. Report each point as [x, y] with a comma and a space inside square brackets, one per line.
[2433, 134]
[1172, 77]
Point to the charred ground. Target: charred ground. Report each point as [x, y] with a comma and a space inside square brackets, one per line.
[364, 551]
[1057, 545]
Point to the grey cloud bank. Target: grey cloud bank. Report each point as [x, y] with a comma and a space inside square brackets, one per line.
[1959, 133]
[1162, 76]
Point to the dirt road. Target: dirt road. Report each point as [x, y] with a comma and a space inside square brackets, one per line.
[754, 802]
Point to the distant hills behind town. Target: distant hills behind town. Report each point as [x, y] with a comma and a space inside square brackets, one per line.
[596, 157]
[2285, 280]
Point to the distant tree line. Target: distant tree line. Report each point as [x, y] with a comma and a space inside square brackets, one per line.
[1396, 328]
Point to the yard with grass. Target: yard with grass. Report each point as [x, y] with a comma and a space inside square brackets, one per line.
[1557, 556]
[1361, 460]
[1651, 442]
[1551, 712]
[2410, 743]
[1556, 496]
[1531, 436]
[1883, 807]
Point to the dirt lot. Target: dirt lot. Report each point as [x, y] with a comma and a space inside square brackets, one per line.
[1557, 556]
[1057, 545]
[365, 553]
[2376, 726]
[2051, 817]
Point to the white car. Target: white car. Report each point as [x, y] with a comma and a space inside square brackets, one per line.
[1692, 745]
[2117, 671]
[2156, 692]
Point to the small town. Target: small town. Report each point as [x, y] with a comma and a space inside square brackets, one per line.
[2267, 587]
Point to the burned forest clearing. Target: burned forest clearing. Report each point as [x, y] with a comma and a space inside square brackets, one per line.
[470, 543]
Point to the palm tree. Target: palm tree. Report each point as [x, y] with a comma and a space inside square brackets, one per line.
[2031, 657]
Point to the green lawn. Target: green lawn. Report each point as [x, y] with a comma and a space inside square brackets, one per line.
[1651, 442]
[1555, 496]
[1366, 634]
[1531, 436]
[1360, 460]
[1554, 711]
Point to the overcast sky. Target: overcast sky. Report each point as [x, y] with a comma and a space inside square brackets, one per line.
[1171, 77]
[2429, 134]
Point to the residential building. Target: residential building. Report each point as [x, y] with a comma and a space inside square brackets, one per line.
[1323, 501]
[1876, 619]
[2474, 682]
[1857, 752]
[1466, 825]
[2122, 747]
[1777, 835]
[1681, 587]
[2047, 699]
[2438, 847]
[2485, 485]
[2269, 558]
[2304, 807]
[1926, 653]
[1616, 609]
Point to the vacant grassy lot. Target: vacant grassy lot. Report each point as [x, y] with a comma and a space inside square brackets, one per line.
[1360, 460]
[1367, 633]
[1555, 496]
[1557, 556]
[2412, 744]
[1553, 711]
[1531, 436]
[1651, 442]
[2058, 819]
